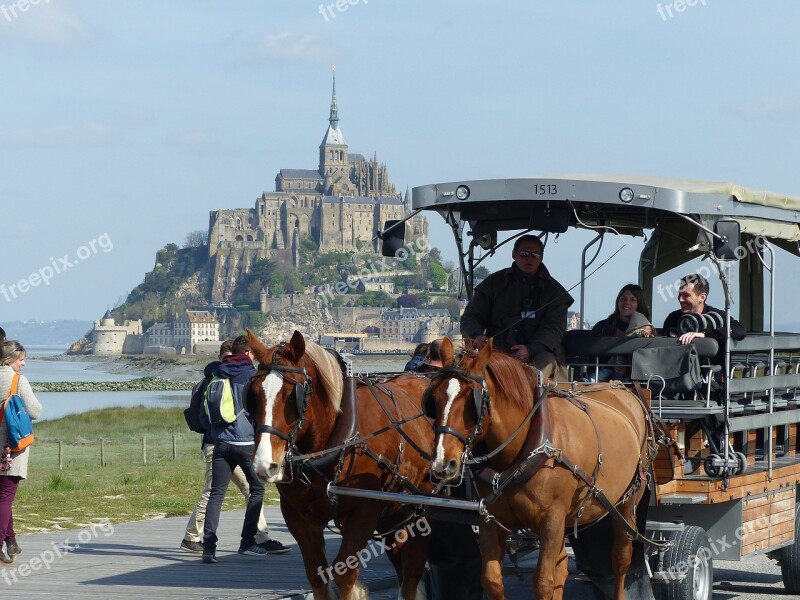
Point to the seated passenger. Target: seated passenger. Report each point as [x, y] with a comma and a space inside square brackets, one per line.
[418, 358]
[433, 361]
[692, 296]
[631, 316]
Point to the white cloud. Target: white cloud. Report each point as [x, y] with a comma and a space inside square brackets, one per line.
[135, 117]
[770, 108]
[290, 47]
[194, 137]
[47, 22]
[90, 134]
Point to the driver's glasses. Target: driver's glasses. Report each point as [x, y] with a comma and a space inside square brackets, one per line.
[526, 254]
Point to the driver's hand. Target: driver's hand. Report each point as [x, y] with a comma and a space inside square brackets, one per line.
[479, 342]
[520, 351]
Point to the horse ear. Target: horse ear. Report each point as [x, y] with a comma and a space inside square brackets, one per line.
[258, 349]
[446, 352]
[484, 354]
[296, 347]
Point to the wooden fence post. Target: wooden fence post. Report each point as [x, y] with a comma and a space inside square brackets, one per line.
[144, 449]
[60, 456]
[174, 448]
[102, 452]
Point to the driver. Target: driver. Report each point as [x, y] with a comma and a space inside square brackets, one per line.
[523, 308]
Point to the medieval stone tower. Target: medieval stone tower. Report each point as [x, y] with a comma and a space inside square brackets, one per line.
[340, 206]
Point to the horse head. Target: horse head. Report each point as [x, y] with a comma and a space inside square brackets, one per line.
[458, 401]
[297, 382]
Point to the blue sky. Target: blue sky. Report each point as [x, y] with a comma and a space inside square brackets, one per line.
[124, 123]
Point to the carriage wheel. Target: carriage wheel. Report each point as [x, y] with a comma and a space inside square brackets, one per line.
[742, 460]
[711, 469]
[790, 558]
[690, 553]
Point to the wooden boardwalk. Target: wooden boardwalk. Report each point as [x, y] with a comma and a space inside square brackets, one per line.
[142, 560]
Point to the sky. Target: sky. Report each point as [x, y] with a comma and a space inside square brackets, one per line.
[124, 123]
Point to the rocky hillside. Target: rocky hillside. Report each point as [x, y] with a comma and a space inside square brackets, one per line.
[311, 318]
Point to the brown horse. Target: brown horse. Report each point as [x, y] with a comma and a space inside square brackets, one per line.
[295, 398]
[574, 430]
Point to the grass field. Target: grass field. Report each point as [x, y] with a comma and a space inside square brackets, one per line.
[127, 488]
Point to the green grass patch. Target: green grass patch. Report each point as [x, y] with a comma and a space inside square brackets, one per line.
[126, 488]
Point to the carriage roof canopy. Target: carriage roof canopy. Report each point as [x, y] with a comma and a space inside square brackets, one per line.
[591, 200]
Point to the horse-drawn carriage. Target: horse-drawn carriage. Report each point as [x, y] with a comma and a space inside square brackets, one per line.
[564, 454]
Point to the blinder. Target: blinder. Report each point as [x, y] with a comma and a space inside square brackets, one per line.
[302, 389]
[480, 396]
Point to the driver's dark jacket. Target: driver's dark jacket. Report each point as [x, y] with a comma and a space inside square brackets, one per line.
[500, 299]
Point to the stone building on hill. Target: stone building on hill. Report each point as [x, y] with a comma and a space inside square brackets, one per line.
[108, 338]
[340, 205]
[196, 332]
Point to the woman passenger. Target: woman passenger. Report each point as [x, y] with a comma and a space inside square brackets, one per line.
[629, 308]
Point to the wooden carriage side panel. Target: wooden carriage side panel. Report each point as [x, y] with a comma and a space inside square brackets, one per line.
[768, 520]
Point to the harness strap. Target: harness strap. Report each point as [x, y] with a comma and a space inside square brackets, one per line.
[396, 424]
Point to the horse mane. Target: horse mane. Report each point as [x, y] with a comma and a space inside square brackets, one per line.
[329, 370]
[513, 380]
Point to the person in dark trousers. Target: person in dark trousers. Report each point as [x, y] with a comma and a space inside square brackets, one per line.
[192, 537]
[233, 447]
[524, 309]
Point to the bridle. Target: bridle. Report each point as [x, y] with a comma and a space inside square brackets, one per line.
[480, 400]
[302, 393]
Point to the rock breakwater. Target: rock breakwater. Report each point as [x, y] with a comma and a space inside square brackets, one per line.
[141, 384]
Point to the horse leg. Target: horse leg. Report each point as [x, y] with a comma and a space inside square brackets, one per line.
[412, 551]
[622, 549]
[551, 571]
[357, 529]
[492, 540]
[310, 540]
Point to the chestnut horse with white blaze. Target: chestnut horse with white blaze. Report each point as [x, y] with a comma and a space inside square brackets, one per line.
[590, 445]
[297, 402]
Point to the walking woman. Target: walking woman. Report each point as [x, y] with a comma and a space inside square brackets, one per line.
[12, 359]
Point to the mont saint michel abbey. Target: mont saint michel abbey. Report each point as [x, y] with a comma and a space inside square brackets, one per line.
[340, 205]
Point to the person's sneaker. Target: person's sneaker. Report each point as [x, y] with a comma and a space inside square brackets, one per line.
[13, 548]
[274, 547]
[254, 550]
[209, 557]
[5, 559]
[189, 546]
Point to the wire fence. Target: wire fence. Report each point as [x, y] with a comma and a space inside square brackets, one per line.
[110, 451]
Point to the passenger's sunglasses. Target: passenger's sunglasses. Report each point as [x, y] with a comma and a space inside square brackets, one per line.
[526, 254]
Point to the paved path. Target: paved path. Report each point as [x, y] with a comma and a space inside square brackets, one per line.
[142, 560]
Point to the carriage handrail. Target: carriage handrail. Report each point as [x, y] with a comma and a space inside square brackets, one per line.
[583, 343]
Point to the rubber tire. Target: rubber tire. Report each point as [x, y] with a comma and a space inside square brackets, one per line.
[699, 581]
[790, 558]
[709, 468]
[742, 459]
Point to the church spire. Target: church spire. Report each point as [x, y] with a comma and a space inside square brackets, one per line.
[334, 118]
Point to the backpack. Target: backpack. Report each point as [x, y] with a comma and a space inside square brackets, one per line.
[220, 403]
[17, 420]
[192, 414]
